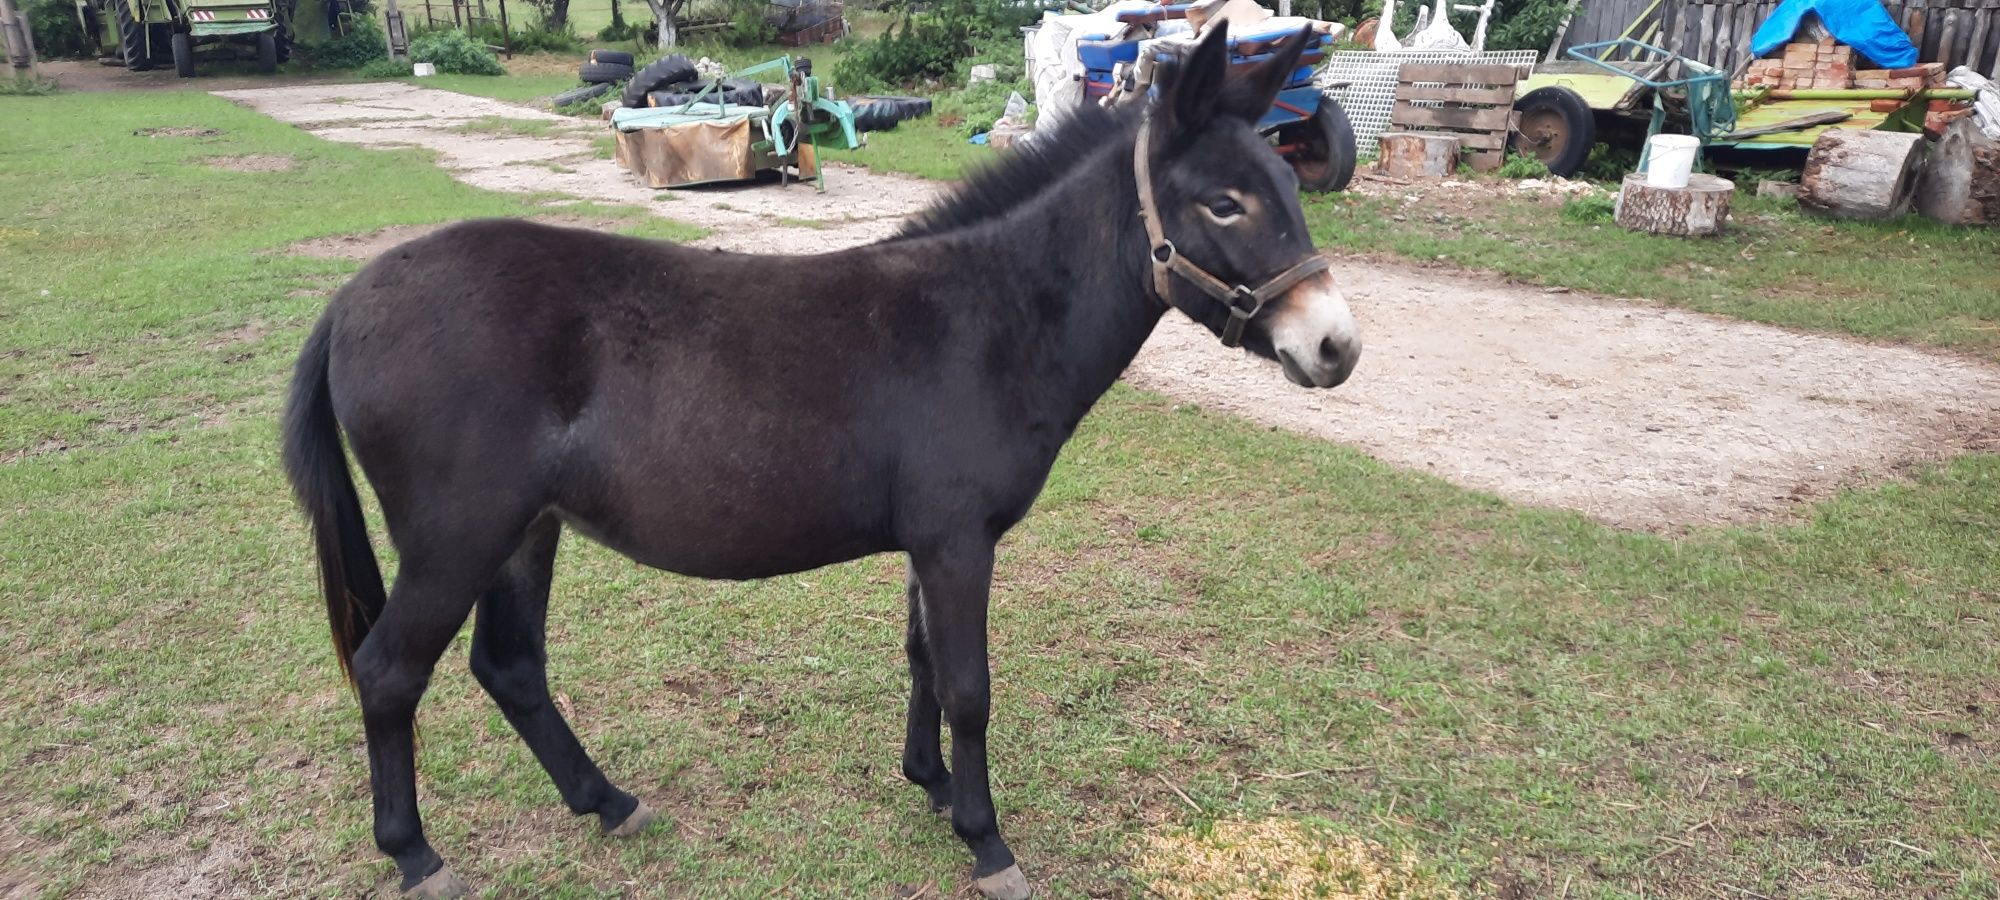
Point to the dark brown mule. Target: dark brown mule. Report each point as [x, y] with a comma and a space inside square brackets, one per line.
[702, 413]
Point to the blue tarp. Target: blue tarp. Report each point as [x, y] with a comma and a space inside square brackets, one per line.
[1861, 24]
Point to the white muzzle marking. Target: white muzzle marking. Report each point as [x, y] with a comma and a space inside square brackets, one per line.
[1314, 334]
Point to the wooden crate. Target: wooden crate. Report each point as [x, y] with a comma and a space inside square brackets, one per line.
[1474, 102]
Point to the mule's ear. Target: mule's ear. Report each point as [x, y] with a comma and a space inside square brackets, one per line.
[1196, 93]
[1251, 97]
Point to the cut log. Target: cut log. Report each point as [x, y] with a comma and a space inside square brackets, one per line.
[1409, 154]
[1858, 174]
[1693, 211]
[1961, 182]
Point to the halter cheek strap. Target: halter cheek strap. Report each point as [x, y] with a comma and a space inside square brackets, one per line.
[1243, 301]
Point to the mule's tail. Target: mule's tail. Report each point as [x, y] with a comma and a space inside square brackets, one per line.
[316, 463]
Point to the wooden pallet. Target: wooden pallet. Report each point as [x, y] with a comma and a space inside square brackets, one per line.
[1472, 101]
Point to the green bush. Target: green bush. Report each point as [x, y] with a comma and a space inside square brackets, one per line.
[384, 68]
[1521, 165]
[930, 44]
[58, 35]
[362, 44]
[748, 26]
[455, 52]
[1590, 209]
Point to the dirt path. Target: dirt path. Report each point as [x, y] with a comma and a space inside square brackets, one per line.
[1636, 414]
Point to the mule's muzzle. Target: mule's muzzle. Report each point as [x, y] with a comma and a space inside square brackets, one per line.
[1314, 335]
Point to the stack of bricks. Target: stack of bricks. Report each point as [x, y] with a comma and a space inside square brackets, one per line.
[1926, 75]
[1826, 64]
[1829, 64]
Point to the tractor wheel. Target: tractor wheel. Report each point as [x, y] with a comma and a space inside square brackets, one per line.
[284, 39]
[267, 52]
[574, 96]
[183, 54]
[131, 37]
[1320, 149]
[659, 74]
[1556, 126]
[603, 73]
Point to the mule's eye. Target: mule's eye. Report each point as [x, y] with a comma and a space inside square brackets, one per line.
[1225, 208]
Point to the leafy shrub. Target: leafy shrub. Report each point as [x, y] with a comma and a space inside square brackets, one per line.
[976, 108]
[1521, 165]
[58, 35]
[1589, 209]
[748, 24]
[384, 68]
[1608, 163]
[454, 52]
[929, 45]
[363, 43]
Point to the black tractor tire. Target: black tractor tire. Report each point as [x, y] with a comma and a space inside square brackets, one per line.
[131, 37]
[882, 113]
[578, 95]
[751, 90]
[603, 73]
[1324, 161]
[657, 75]
[614, 57]
[670, 99]
[267, 52]
[1556, 126]
[183, 54]
[284, 38]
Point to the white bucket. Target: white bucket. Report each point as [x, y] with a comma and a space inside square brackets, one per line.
[1669, 159]
[425, 70]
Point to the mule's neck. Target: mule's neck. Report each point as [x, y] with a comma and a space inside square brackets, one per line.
[1073, 259]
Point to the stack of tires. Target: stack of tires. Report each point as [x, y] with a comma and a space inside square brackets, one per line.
[882, 113]
[603, 70]
[674, 81]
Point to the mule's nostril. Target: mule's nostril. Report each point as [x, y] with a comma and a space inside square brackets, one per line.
[1328, 352]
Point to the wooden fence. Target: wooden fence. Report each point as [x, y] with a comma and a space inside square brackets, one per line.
[1717, 32]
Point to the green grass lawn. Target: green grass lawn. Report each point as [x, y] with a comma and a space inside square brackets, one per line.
[1270, 625]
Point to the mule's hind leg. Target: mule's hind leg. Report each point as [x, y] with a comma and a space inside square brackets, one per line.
[923, 754]
[509, 658]
[437, 583]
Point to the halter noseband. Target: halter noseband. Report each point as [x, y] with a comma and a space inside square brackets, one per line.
[1243, 301]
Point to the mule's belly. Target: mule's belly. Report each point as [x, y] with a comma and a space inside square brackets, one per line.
[712, 548]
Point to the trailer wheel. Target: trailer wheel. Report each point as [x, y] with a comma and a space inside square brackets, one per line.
[1320, 148]
[131, 37]
[284, 40]
[1555, 126]
[183, 54]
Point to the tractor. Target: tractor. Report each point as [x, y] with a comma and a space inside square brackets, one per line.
[143, 32]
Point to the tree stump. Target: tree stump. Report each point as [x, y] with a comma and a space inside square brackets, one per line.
[1855, 174]
[1693, 211]
[1961, 182]
[1416, 154]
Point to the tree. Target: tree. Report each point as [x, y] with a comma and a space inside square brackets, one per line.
[667, 14]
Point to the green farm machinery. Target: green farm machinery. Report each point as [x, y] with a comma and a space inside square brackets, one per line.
[144, 33]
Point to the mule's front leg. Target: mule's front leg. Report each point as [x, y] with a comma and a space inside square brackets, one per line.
[923, 756]
[954, 583]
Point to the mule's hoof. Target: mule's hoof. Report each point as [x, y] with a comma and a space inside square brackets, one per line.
[642, 816]
[444, 884]
[1006, 884]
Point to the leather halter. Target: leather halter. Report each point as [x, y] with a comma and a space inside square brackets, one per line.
[1243, 301]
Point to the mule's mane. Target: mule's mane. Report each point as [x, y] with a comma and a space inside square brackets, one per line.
[997, 187]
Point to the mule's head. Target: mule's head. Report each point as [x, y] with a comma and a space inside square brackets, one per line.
[1230, 207]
